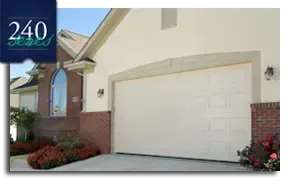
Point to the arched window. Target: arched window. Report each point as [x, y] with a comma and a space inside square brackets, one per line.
[59, 94]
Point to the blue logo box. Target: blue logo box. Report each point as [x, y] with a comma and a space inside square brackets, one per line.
[27, 31]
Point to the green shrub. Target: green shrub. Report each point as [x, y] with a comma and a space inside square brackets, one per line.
[25, 118]
[30, 136]
[261, 155]
[69, 141]
[54, 156]
[25, 147]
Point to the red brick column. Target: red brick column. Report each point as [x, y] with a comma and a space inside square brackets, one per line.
[265, 119]
[95, 128]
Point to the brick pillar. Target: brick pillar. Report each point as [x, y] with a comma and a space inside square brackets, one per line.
[265, 119]
[95, 129]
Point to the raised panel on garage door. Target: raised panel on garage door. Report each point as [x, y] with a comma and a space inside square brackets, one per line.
[199, 114]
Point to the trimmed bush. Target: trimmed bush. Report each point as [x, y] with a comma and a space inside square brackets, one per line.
[54, 156]
[261, 155]
[25, 118]
[69, 141]
[25, 147]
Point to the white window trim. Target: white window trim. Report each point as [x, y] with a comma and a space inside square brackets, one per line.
[51, 93]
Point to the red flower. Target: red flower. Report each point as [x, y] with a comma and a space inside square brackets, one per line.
[269, 139]
[256, 163]
[250, 156]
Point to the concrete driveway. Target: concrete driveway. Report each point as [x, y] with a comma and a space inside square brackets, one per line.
[119, 162]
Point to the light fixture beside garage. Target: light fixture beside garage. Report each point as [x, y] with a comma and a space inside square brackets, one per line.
[100, 92]
[269, 73]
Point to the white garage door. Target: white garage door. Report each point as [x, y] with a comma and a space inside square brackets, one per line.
[28, 100]
[201, 114]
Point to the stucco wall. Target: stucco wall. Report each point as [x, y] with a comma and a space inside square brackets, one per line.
[139, 40]
[14, 102]
[14, 98]
[28, 100]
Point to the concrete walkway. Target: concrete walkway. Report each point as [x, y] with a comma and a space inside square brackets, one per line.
[118, 163]
[19, 163]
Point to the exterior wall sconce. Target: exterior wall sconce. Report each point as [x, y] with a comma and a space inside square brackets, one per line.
[100, 92]
[269, 73]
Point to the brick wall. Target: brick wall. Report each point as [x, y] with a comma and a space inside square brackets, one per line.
[95, 128]
[74, 87]
[265, 119]
[50, 126]
[58, 126]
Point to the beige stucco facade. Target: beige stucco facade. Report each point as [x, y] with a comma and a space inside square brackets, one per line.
[139, 40]
[28, 100]
[14, 102]
[14, 98]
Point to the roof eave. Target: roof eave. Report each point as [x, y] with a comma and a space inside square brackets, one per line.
[25, 89]
[79, 66]
[35, 72]
[106, 27]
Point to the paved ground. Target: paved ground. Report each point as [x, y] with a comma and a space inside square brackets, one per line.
[19, 163]
[118, 162]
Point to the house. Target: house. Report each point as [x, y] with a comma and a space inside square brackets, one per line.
[46, 90]
[192, 83]
[14, 99]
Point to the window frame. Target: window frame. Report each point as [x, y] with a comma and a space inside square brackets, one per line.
[60, 86]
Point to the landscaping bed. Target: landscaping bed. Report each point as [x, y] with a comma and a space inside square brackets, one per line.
[26, 147]
[55, 156]
[261, 155]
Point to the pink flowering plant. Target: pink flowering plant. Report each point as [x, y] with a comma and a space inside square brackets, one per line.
[273, 163]
[261, 155]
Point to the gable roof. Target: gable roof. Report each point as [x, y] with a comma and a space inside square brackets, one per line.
[32, 83]
[13, 80]
[104, 30]
[69, 41]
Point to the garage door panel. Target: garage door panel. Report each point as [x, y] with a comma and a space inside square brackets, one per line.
[234, 146]
[238, 100]
[218, 101]
[239, 128]
[218, 150]
[194, 123]
[218, 126]
[194, 114]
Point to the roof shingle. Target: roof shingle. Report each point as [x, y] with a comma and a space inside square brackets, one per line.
[32, 83]
[13, 80]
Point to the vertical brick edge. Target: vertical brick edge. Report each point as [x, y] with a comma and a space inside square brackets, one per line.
[95, 129]
[265, 118]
